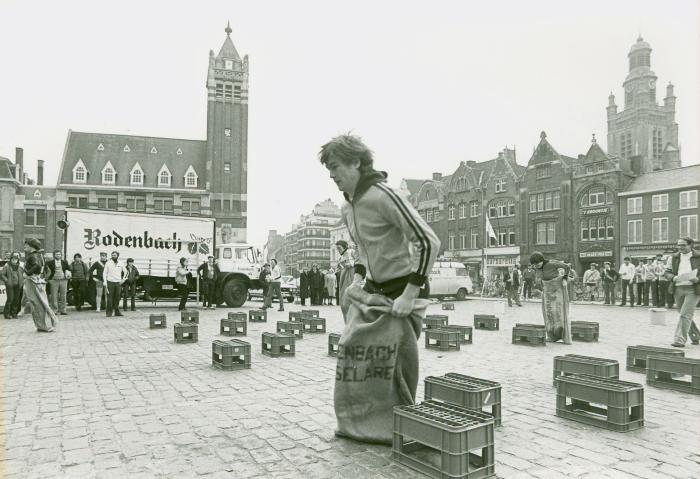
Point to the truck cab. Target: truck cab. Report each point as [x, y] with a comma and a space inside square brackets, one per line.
[240, 266]
[449, 278]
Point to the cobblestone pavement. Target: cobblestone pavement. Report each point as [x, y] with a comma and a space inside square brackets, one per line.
[108, 397]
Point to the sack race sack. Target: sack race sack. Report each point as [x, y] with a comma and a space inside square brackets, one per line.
[377, 365]
[555, 309]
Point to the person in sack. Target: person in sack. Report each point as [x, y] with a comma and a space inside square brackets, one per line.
[377, 366]
[35, 287]
[684, 278]
[181, 274]
[58, 276]
[96, 273]
[208, 274]
[79, 276]
[555, 297]
[131, 276]
[12, 275]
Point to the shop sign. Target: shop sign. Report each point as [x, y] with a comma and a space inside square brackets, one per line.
[596, 211]
[595, 254]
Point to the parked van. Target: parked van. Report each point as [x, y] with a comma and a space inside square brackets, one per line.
[450, 279]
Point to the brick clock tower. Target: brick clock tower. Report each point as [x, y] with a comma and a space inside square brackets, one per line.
[227, 141]
[645, 132]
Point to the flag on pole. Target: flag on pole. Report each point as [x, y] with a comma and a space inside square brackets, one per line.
[489, 230]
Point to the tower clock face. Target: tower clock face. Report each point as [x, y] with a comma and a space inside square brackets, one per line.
[629, 88]
[652, 84]
[227, 131]
[228, 64]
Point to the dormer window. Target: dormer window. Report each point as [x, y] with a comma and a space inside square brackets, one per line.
[164, 177]
[80, 172]
[136, 175]
[108, 174]
[190, 178]
[500, 185]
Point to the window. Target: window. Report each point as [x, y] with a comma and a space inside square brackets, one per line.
[689, 226]
[137, 177]
[688, 199]
[237, 92]
[108, 174]
[502, 238]
[540, 202]
[533, 203]
[79, 174]
[584, 230]
[436, 215]
[474, 238]
[77, 201]
[136, 204]
[190, 207]
[163, 206]
[462, 210]
[493, 212]
[555, 200]
[511, 238]
[227, 166]
[500, 185]
[634, 205]
[626, 145]
[659, 202]
[474, 208]
[548, 201]
[657, 144]
[451, 241]
[543, 171]
[593, 231]
[228, 64]
[601, 227]
[610, 227]
[191, 179]
[659, 230]
[511, 208]
[106, 203]
[463, 240]
[545, 232]
[164, 176]
[634, 231]
[35, 217]
[451, 212]
[219, 90]
[596, 198]
[429, 216]
[228, 91]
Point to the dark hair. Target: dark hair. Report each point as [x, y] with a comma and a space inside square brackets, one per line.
[536, 257]
[627, 258]
[129, 260]
[77, 255]
[342, 243]
[348, 149]
[183, 260]
[56, 251]
[688, 240]
[117, 252]
[103, 253]
[273, 259]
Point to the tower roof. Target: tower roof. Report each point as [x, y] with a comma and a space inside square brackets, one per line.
[640, 45]
[227, 49]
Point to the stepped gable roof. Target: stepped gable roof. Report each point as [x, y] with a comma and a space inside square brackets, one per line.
[544, 149]
[684, 177]
[124, 151]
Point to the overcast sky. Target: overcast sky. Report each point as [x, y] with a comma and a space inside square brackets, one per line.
[427, 84]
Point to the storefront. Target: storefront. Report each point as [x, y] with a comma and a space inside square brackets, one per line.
[586, 258]
[636, 252]
[499, 260]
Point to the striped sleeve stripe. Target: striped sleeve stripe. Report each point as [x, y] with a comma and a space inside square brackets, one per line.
[425, 253]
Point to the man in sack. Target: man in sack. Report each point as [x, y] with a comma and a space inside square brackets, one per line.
[377, 366]
[58, 277]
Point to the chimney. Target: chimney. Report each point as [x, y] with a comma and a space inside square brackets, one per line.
[25, 178]
[40, 172]
[19, 161]
[437, 176]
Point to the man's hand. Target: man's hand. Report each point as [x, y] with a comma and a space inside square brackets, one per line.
[106, 290]
[403, 305]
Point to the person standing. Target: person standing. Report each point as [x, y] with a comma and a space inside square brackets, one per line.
[12, 275]
[627, 273]
[79, 276]
[610, 278]
[304, 285]
[208, 275]
[529, 278]
[58, 276]
[346, 268]
[684, 276]
[330, 284]
[650, 282]
[640, 280]
[315, 285]
[590, 280]
[555, 297]
[181, 274]
[113, 278]
[512, 281]
[35, 287]
[275, 288]
[661, 283]
[96, 274]
[571, 282]
[131, 276]
[264, 278]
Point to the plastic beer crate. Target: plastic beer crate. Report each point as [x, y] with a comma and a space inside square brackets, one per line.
[434, 321]
[576, 364]
[608, 403]
[257, 316]
[186, 333]
[237, 315]
[486, 321]
[449, 306]
[296, 316]
[233, 326]
[584, 331]
[230, 355]
[444, 440]
[310, 312]
[189, 316]
[465, 332]
[664, 372]
[157, 321]
[278, 344]
[532, 334]
[314, 324]
[291, 327]
[637, 356]
[442, 340]
[466, 391]
[333, 340]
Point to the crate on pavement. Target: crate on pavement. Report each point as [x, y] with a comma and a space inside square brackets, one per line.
[577, 364]
[333, 340]
[637, 356]
[237, 315]
[466, 391]
[314, 324]
[435, 321]
[186, 332]
[314, 313]
[278, 344]
[257, 316]
[189, 316]
[296, 316]
[584, 331]
[291, 327]
[449, 306]
[230, 355]
[681, 374]
[442, 339]
[233, 326]
[608, 403]
[465, 332]
[486, 321]
[157, 321]
[531, 334]
[444, 440]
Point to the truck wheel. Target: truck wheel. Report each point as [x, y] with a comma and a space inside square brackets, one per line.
[235, 293]
[461, 294]
[290, 299]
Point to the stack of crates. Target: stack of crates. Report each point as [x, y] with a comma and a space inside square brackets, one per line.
[186, 333]
[278, 345]
[314, 324]
[230, 355]
[257, 316]
[156, 321]
[465, 332]
[189, 316]
[608, 403]
[333, 340]
[442, 340]
[444, 440]
[637, 356]
[486, 321]
[233, 326]
[584, 331]
[664, 372]
[448, 306]
[434, 321]
[466, 391]
[532, 334]
[310, 312]
[575, 364]
[291, 327]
